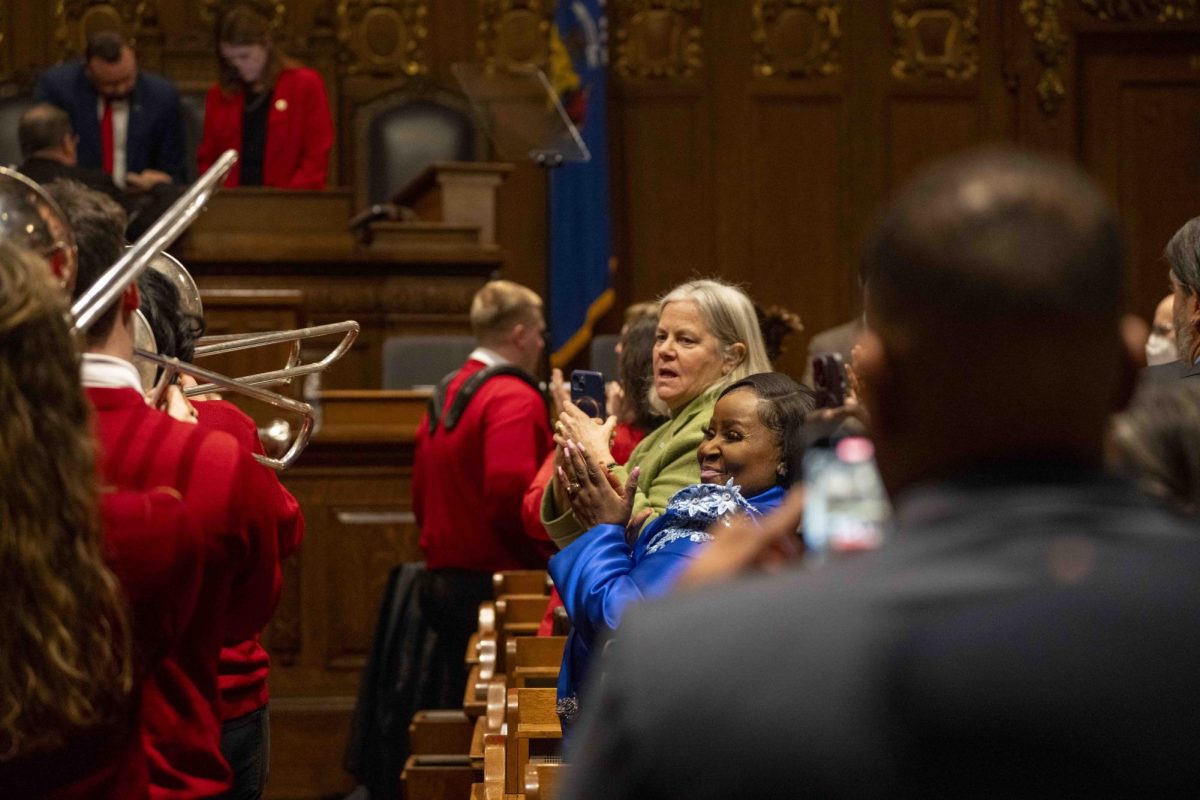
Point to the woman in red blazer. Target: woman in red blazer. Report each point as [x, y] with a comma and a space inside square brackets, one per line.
[273, 112]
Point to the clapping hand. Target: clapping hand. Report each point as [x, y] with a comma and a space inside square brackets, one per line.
[594, 492]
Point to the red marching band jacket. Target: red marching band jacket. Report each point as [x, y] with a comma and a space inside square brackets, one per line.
[242, 678]
[160, 577]
[468, 483]
[299, 131]
[221, 486]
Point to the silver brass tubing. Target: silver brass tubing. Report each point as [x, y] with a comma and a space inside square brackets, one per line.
[173, 366]
[174, 221]
[349, 329]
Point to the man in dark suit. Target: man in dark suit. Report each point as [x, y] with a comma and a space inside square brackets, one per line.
[49, 148]
[129, 122]
[1029, 629]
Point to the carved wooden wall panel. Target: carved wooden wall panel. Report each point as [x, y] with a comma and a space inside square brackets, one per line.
[382, 37]
[797, 38]
[1142, 107]
[659, 39]
[515, 34]
[1139, 10]
[79, 19]
[936, 39]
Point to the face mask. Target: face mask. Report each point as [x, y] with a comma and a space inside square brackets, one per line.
[1160, 350]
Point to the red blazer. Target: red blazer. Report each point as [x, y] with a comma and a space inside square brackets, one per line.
[242, 676]
[220, 484]
[468, 483]
[299, 131]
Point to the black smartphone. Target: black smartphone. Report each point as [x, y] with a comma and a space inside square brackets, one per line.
[587, 392]
[829, 380]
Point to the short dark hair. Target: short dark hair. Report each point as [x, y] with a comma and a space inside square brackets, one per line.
[1183, 254]
[783, 405]
[997, 234]
[42, 127]
[175, 330]
[99, 227]
[105, 45]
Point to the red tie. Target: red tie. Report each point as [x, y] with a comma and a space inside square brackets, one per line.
[106, 136]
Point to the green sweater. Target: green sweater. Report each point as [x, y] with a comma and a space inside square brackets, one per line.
[667, 457]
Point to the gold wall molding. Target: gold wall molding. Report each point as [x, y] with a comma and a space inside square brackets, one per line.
[796, 38]
[659, 39]
[1044, 20]
[6, 65]
[935, 39]
[515, 33]
[76, 20]
[274, 10]
[1133, 10]
[382, 37]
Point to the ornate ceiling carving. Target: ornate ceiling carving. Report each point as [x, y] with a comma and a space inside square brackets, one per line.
[382, 37]
[659, 39]
[936, 39]
[796, 38]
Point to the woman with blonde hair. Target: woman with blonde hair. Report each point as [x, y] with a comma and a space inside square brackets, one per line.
[707, 338]
[72, 664]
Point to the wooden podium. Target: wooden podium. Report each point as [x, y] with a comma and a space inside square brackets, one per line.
[260, 245]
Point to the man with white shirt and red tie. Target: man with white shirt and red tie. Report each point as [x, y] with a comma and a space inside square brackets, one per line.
[129, 122]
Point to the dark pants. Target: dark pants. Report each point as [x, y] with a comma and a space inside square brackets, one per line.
[450, 601]
[246, 745]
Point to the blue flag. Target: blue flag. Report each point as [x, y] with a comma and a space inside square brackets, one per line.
[580, 224]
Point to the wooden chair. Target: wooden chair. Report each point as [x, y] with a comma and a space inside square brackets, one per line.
[438, 776]
[533, 730]
[523, 581]
[439, 732]
[542, 778]
[534, 661]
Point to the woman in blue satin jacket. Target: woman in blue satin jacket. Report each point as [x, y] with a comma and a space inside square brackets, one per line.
[751, 449]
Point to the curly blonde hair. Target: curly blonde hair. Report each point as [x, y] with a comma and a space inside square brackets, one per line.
[64, 629]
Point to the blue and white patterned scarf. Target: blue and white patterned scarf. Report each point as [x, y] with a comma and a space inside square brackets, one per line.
[694, 509]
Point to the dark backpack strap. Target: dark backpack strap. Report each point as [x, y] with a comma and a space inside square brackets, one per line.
[437, 401]
[449, 417]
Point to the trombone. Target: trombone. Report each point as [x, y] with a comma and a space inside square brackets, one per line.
[147, 252]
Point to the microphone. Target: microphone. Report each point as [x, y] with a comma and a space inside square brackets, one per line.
[373, 214]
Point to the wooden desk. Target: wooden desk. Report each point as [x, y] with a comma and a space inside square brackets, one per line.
[271, 241]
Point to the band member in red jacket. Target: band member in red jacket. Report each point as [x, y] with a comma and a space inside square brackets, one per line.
[80, 639]
[245, 728]
[272, 111]
[472, 465]
[222, 487]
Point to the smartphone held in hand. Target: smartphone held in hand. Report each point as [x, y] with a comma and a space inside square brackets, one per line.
[829, 380]
[587, 392]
